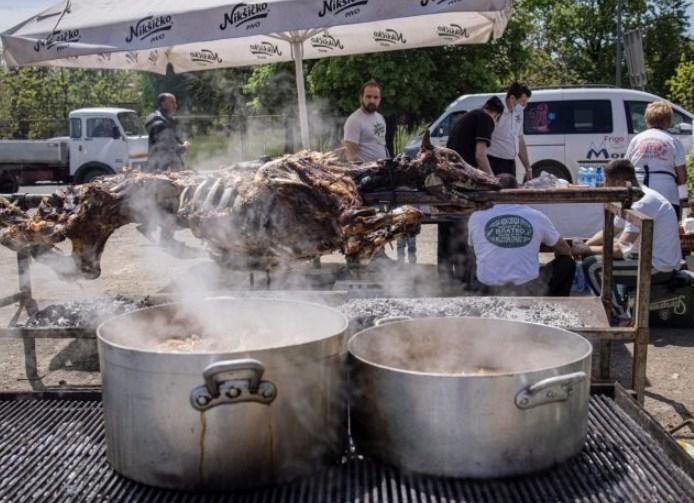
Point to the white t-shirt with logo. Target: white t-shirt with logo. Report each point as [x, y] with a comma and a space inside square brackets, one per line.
[661, 152]
[667, 250]
[368, 132]
[506, 135]
[506, 240]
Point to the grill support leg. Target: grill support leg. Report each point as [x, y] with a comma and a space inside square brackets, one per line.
[27, 303]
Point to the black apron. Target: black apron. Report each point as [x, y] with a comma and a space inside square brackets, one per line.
[647, 175]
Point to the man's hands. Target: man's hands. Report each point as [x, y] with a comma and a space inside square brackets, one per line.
[581, 250]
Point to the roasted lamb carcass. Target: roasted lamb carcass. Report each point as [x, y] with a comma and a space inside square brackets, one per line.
[296, 207]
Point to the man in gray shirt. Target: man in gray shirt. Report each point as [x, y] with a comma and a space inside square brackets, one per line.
[365, 129]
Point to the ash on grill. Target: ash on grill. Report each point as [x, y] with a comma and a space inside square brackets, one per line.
[366, 311]
[85, 314]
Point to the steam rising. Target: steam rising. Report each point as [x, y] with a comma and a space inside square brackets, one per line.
[460, 346]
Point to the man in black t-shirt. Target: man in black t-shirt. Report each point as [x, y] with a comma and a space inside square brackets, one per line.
[472, 133]
[470, 137]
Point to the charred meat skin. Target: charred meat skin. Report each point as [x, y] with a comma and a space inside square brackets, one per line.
[250, 216]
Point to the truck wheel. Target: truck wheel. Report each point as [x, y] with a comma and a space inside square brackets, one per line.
[8, 184]
[92, 173]
[553, 168]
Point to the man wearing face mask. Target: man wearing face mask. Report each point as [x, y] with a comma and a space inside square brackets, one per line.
[507, 140]
[365, 130]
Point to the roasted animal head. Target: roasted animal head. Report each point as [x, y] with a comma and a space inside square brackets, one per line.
[249, 216]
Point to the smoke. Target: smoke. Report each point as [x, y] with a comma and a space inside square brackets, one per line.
[263, 124]
[455, 346]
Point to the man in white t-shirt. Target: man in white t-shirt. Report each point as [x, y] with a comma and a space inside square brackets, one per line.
[657, 156]
[508, 140]
[365, 130]
[667, 252]
[506, 239]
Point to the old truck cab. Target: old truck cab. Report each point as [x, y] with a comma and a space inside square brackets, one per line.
[103, 141]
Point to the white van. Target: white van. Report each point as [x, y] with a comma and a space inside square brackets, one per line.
[569, 127]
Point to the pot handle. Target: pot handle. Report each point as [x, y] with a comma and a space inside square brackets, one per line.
[390, 319]
[232, 381]
[552, 389]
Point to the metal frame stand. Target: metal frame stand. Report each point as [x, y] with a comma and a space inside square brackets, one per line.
[602, 337]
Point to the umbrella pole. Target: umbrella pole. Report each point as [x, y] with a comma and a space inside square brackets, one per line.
[298, 53]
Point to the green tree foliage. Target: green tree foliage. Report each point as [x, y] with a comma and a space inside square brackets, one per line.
[681, 85]
[665, 41]
[35, 101]
[574, 40]
[417, 83]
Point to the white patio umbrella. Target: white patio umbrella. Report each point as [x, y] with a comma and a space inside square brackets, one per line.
[205, 34]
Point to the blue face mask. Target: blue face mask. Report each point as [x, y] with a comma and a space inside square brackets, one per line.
[518, 108]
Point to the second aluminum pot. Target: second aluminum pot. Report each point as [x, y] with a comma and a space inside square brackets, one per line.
[263, 408]
[469, 397]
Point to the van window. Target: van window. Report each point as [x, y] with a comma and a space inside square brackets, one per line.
[100, 128]
[588, 116]
[636, 121]
[543, 117]
[677, 119]
[75, 129]
[568, 117]
[444, 128]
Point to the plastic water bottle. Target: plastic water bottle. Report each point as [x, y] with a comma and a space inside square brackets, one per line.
[599, 176]
[591, 177]
[581, 178]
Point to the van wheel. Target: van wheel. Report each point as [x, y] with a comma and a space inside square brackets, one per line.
[8, 184]
[553, 168]
[92, 173]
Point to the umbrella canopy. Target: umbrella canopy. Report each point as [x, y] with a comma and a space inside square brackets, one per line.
[205, 34]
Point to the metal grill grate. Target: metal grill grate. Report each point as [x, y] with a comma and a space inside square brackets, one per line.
[54, 450]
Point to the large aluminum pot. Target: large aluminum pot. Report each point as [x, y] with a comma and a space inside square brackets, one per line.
[265, 408]
[469, 397]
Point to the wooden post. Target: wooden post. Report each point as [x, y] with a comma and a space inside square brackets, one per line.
[643, 303]
[605, 346]
[27, 302]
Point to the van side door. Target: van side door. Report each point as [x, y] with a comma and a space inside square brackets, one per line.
[543, 130]
[591, 139]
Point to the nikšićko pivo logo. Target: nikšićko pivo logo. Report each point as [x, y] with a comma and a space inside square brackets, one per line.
[247, 15]
[346, 8]
[426, 3]
[150, 28]
[452, 32]
[58, 40]
[389, 37]
[205, 57]
[509, 231]
[326, 43]
[265, 50]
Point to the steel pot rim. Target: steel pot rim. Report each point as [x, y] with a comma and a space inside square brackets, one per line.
[448, 375]
[102, 339]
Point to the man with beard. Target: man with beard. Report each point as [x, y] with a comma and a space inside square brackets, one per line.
[165, 147]
[365, 130]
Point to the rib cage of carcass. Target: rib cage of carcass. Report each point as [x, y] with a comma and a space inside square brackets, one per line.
[250, 216]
